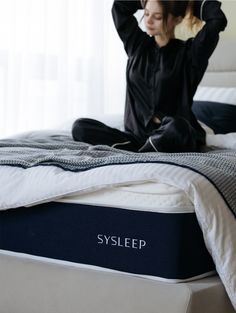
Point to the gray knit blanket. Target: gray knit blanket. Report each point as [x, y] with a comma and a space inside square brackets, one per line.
[218, 166]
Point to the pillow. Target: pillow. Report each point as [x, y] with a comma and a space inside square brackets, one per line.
[216, 94]
[220, 117]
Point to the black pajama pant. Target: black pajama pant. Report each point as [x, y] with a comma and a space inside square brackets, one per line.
[97, 133]
[173, 134]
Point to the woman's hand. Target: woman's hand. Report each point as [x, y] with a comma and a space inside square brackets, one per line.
[156, 120]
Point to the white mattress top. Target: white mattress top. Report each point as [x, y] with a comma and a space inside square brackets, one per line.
[148, 196]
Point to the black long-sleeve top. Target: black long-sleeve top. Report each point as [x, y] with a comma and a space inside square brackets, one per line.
[163, 80]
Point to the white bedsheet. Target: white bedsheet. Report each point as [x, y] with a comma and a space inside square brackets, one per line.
[227, 141]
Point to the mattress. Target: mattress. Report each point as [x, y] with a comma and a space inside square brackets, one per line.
[147, 229]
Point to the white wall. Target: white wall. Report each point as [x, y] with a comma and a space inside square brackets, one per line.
[229, 8]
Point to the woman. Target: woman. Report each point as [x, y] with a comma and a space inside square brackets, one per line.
[162, 76]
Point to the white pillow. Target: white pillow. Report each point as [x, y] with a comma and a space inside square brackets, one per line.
[216, 94]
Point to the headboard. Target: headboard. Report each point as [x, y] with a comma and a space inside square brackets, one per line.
[221, 71]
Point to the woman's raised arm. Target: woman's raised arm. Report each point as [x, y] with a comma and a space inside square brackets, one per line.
[207, 38]
[127, 25]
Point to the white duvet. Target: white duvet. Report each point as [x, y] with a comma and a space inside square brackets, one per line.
[24, 187]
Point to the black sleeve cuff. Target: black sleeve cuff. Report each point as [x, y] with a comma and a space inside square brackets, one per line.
[197, 8]
[130, 5]
[207, 10]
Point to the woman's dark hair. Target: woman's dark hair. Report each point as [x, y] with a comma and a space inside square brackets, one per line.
[176, 8]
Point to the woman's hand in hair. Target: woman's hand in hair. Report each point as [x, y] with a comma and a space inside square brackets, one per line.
[156, 120]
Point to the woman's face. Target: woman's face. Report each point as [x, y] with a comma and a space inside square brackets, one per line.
[153, 19]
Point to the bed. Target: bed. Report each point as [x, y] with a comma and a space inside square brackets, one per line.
[93, 229]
